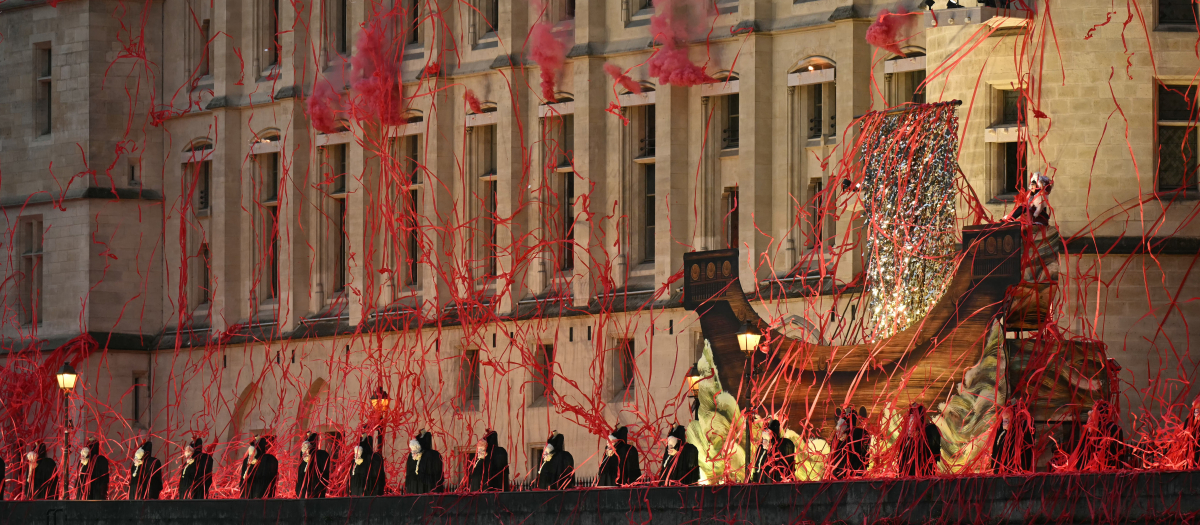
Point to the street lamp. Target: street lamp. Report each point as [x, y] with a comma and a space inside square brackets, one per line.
[66, 377]
[748, 339]
[380, 400]
[693, 379]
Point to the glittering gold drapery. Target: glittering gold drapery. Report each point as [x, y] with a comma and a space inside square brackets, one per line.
[908, 167]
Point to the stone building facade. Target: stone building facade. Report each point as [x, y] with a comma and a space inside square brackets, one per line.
[165, 191]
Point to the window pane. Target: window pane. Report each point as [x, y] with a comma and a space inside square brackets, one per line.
[648, 216]
[1176, 157]
[1176, 102]
[1176, 12]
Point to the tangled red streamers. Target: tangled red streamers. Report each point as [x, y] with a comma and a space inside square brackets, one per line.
[473, 102]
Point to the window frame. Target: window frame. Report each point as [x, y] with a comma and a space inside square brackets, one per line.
[1177, 120]
[33, 250]
[44, 89]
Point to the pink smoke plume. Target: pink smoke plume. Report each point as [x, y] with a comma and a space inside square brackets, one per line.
[323, 107]
[375, 71]
[621, 78]
[549, 53]
[885, 32]
[673, 24]
[473, 102]
[433, 69]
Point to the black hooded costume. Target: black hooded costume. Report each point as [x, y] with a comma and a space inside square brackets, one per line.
[367, 477]
[557, 469]
[623, 466]
[920, 444]
[1012, 448]
[93, 476]
[258, 479]
[682, 466]
[41, 482]
[775, 463]
[490, 472]
[195, 477]
[145, 480]
[423, 470]
[312, 476]
[851, 452]
[3, 474]
[1102, 444]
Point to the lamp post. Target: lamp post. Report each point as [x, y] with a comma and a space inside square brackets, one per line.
[66, 377]
[748, 339]
[693, 379]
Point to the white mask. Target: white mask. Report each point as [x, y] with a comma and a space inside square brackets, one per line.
[766, 438]
[31, 457]
[673, 442]
[188, 451]
[358, 451]
[250, 451]
[842, 426]
[85, 452]
[139, 454]
[547, 452]
[305, 448]
[414, 446]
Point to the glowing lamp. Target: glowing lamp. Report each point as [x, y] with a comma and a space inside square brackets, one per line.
[693, 379]
[380, 400]
[66, 377]
[748, 338]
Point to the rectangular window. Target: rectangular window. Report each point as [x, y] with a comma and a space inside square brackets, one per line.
[1177, 12]
[813, 215]
[412, 239]
[204, 275]
[648, 214]
[1013, 167]
[491, 16]
[31, 270]
[1012, 108]
[337, 26]
[205, 58]
[335, 156]
[568, 10]
[626, 367]
[201, 184]
[268, 165]
[412, 13]
[269, 21]
[43, 112]
[731, 218]
[407, 245]
[646, 137]
[816, 105]
[730, 135]
[909, 88]
[566, 255]
[1176, 138]
[486, 146]
[543, 373]
[139, 386]
[469, 379]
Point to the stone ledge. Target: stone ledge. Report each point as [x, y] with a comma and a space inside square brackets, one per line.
[1121, 497]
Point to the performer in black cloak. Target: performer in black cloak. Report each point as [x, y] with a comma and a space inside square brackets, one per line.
[1190, 437]
[557, 469]
[775, 460]
[1012, 449]
[93, 473]
[489, 471]
[41, 482]
[681, 460]
[920, 444]
[195, 475]
[3, 472]
[423, 470]
[145, 476]
[1102, 445]
[851, 451]
[260, 470]
[312, 474]
[621, 464]
[367, 477]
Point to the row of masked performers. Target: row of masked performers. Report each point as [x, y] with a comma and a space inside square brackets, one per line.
[1097, 444]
